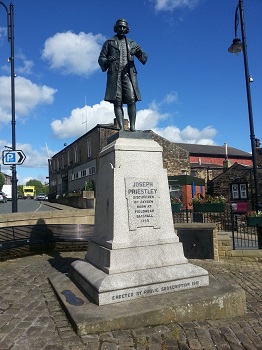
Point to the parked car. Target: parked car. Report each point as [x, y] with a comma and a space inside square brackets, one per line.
[41, 197]
[3, 198]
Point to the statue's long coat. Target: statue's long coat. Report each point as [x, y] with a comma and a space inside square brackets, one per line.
[111, 48]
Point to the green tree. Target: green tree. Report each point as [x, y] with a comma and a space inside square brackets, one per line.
[39, 187]
[2, 180]
[20, 191]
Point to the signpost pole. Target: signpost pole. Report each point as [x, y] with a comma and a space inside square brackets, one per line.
[11, 39]
[10, 27]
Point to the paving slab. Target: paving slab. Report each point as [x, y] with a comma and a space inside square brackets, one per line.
[30, 275]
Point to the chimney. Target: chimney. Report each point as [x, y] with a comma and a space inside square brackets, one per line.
[226, 162]
[226, 154]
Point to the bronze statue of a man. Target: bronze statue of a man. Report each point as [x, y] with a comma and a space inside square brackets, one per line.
[117, 58]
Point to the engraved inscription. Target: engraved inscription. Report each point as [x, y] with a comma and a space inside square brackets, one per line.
[157, 289]
[142, 202]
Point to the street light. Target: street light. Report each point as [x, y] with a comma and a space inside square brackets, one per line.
[10, 27]
[236, 47]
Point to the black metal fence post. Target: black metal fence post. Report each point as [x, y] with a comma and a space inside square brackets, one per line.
[232, 226]
[259, 237]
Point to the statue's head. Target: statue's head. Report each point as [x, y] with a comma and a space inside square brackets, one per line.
[121, 23]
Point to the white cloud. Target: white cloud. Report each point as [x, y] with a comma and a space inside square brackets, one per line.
[35, 158]
[27, 95]
[193, 135]
[82, 119]
[36, 162]
[171, 97]
[3, 33]
[171, 133]
[27, 65]
[188, 135]
[147, 119]
[73, 53]
[170, 5]
[39, 177]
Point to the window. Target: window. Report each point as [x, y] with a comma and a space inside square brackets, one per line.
[239, 191]
[76, 153]
[243, 191]
[89, 147]
[175, 191]
[50, 165]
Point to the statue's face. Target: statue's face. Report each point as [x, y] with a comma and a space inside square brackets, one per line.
[121, 28]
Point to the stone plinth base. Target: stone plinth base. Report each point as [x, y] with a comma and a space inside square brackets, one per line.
[212, 302]
[108, 289]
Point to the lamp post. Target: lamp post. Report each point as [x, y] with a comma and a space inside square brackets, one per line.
[10, 27]
[236, 47]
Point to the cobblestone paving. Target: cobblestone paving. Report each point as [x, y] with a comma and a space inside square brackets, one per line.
[31, 316]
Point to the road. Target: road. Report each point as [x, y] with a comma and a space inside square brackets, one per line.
[24, 206]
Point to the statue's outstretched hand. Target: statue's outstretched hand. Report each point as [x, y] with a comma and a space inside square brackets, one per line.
[135, 50]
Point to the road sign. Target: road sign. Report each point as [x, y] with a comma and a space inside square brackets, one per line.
[13, 157]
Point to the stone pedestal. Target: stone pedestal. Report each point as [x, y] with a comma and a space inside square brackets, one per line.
[134, 251]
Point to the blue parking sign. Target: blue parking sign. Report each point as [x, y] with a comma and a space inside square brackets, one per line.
[10, 157]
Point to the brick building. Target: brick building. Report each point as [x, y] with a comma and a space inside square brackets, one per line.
[208, 161]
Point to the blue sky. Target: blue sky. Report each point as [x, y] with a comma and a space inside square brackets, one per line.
[192, 89]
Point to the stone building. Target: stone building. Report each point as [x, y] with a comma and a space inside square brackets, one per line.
[175, 158]
[70, 168]
[8, 179]
[237, 184]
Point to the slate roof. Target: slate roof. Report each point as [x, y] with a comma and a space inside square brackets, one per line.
[198, 150]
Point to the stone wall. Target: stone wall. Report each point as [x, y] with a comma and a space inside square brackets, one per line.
[77, 216]
[224, 245]
[78, 201]
[175, 159]
[226, 252]
[259, 156]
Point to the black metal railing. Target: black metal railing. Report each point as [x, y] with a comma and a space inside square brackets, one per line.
[243, 237]
[221, 219]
